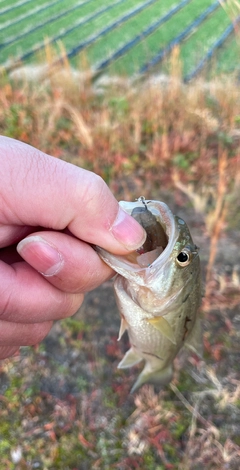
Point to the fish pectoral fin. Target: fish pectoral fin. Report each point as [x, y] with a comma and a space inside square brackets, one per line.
[130, 359]
[160, 377]
[194, 341]
[163, 326]
[123, 328]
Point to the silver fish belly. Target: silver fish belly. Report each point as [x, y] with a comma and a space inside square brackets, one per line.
[158, 292]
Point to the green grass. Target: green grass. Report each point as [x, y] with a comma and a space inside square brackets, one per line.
[193, 48]
[143, 52]
[202, 39]
[21, 11]
[127, 31]
[100, 22]
[228, 56]
[54, 28]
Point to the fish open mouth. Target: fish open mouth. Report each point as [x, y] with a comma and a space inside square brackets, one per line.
[162, 233]
[156, 230]
[156, 240]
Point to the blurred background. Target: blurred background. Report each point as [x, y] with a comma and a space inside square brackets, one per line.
[146, 94]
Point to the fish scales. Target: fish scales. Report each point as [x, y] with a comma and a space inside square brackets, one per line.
[158, 292]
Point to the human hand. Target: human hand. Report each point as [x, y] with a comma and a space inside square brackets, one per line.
[55, 210]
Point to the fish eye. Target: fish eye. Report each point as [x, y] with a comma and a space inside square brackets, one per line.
[184, 257]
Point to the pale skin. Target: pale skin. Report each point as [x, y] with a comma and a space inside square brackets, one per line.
[50, 214]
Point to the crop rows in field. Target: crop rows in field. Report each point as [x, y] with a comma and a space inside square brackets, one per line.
[119, 36]
[31, 29]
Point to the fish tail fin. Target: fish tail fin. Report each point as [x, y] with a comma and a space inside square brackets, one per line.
[161, 377]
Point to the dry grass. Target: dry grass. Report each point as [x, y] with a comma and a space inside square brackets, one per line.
[142, 138]
[166, 135]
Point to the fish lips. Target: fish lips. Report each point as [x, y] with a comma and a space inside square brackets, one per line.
[133, 272]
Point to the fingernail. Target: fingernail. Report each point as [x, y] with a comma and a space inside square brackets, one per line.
[128, 231]
[41, 255]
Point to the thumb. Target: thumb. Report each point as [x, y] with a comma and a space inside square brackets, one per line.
[56, 195]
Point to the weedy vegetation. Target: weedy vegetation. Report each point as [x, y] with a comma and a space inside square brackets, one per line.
[64, 404]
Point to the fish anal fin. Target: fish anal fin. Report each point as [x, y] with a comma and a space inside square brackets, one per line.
[123, 327]
[160, 377]
[130, 359]
[163, 326]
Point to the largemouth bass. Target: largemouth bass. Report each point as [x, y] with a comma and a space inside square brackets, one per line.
[158, 292]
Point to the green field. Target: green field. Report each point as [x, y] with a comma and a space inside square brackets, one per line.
[102, 28]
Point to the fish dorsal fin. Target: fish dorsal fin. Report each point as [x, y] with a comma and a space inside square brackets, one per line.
[123, 327]
[163, 326]
[160, 377]
[130, 359]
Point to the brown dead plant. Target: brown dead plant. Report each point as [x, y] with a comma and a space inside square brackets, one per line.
[82, 129]
[217, 218]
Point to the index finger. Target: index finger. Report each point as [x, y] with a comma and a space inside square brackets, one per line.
[51, 193]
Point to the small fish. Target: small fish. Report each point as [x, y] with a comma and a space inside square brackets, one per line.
[158, 292]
